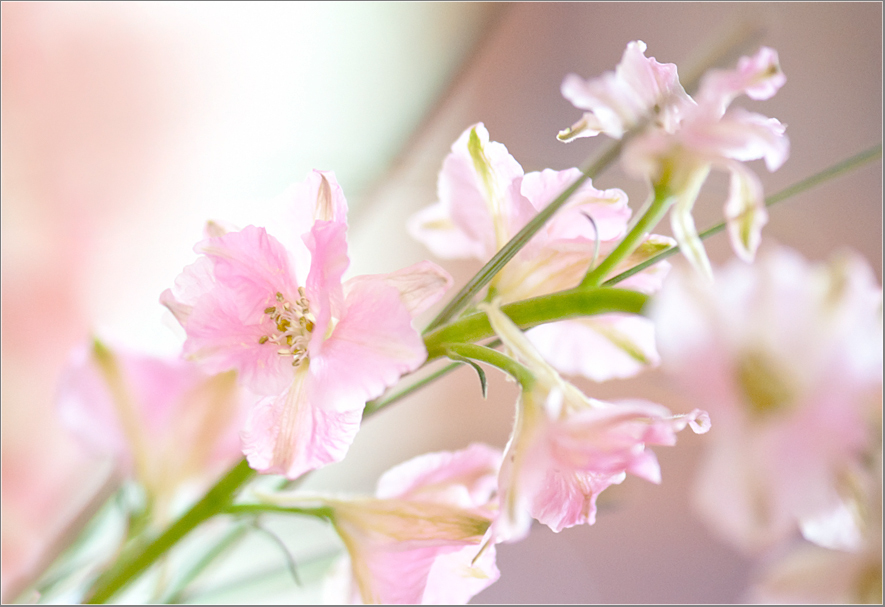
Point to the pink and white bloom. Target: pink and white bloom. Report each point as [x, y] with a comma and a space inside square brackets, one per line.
[419, 539]
[640, 88]
[787, 356]
[567, 448]
[315, 346]
[688, 137]
[485, 199]
[167, 422]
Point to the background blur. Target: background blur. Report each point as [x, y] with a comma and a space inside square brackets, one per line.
[126, 126]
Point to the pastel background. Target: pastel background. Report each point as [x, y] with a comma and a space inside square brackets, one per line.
[126, 126]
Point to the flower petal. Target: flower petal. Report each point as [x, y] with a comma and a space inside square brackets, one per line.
[420, 285]
[745, 212]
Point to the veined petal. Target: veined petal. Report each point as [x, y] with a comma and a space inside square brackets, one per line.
[568, 498]
[759, 77]
[420, 285]
[292, 433]
[327, 243]
[465, 478]
[227, 321]
[370, 347]
[745, 212]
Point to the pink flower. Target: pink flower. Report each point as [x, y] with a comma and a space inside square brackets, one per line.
[485, 199]
[419, 539]
[566, 448]
[166, 421]
[712, 136]
[317, 348]
[787, 356]
[687, 137]
[617, 101]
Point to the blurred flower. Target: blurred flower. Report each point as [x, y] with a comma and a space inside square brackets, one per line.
[567, 448]
[485, 199]
[317, 348]
[811, 574]
[689, 136]
[418, 540]
[166, 421]
[787, 355]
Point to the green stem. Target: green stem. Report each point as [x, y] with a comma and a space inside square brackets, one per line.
[662, 201]
[537, 310]
[377, 404]
[506, 253]
[140, 558]
[497, 359]
[846, 165]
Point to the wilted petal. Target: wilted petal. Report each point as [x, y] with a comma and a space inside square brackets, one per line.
[745, 212]
[682, 223]
[759, 77]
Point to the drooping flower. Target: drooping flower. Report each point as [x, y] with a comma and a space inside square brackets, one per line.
[687, 137]
[787, 356]
[167, 422]
[485, 199]
[419, 539]
[316, 347]
[567, 448]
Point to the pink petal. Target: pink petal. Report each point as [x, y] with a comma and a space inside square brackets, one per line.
[420, 285]
[465, 478]
[598, 348]
[370, 347]
[227, 321]
[292, 433]
[745, 212]
[434, 227]
[327, 243]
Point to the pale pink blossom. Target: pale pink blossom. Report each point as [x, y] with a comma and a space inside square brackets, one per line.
[485, 199]
[315, 346]
[419, 540]
[166, 421]
[566, 448]
[640, 88]
[787, 356]
[710, 135]
[812, 574]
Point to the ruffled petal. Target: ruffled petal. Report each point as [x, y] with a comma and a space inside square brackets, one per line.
[227, 321]
[370, 347]
[293, 433]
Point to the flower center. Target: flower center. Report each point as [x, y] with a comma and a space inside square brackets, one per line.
[293, 323]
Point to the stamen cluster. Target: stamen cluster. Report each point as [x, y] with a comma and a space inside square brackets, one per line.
[294, 324]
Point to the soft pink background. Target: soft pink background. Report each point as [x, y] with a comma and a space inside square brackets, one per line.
[125, 127]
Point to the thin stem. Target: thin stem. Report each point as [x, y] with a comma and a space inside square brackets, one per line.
[497, 359]
[377, 404]
[537, 310]
[140, 558]
[656, 211]
[832, 172]
[506, 253]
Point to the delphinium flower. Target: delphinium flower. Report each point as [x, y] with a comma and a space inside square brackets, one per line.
[315, 346]
[485, 198]
[170, 425]
[418, 539]
[787, 356]
[566, 448]
[684, 137]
